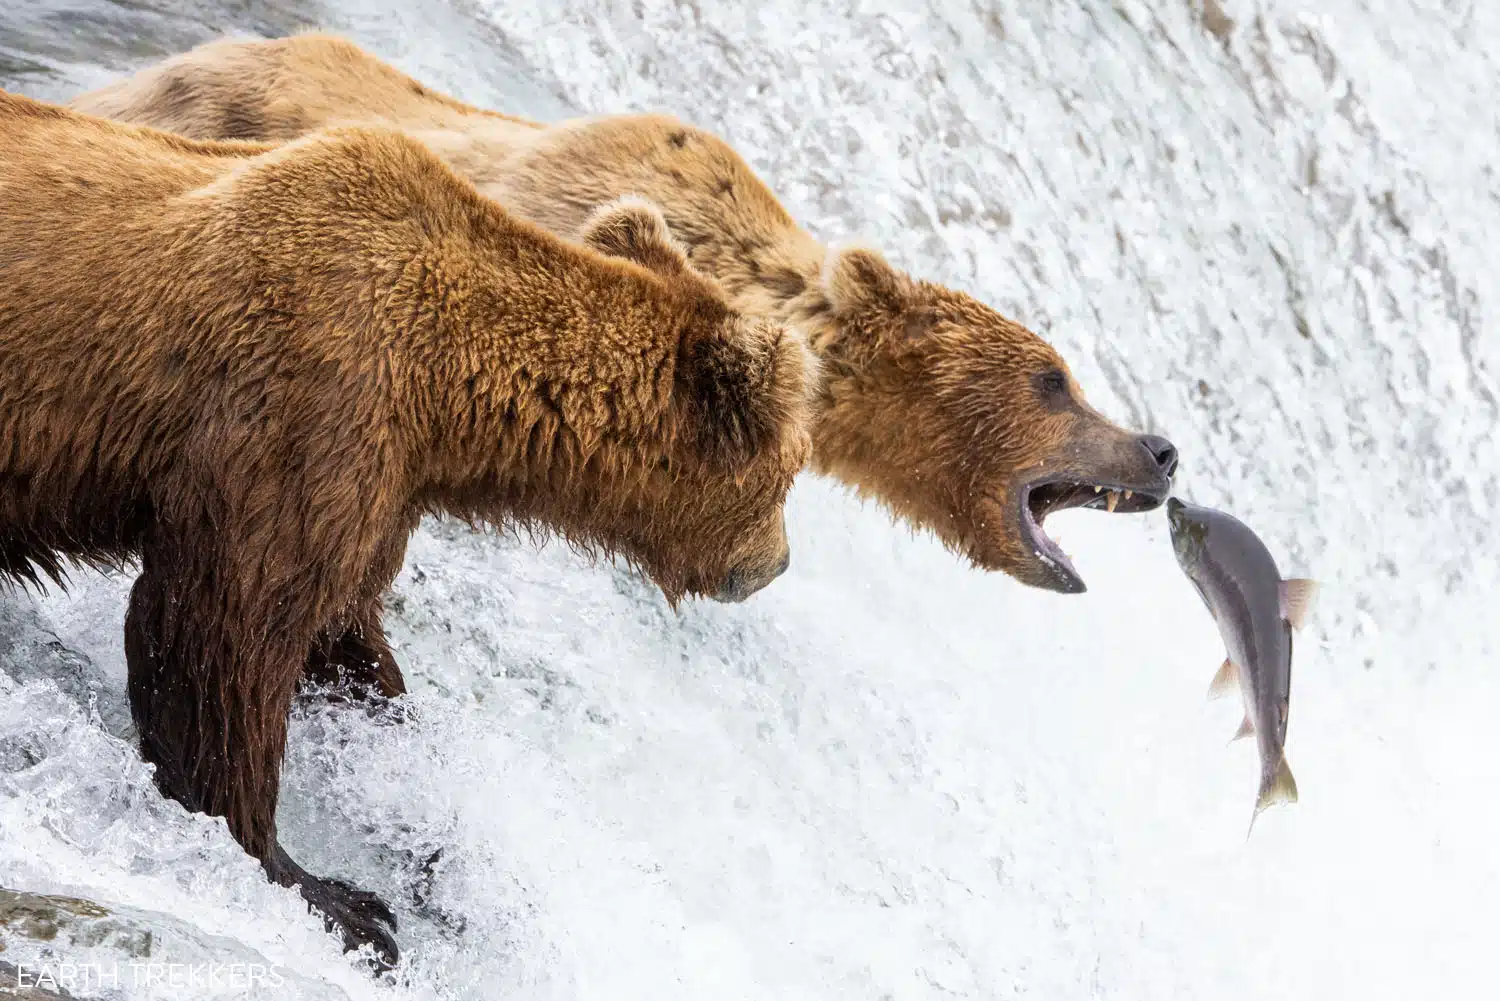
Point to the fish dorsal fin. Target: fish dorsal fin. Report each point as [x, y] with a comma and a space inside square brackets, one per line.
[1224, 681]
[1297, 597]
[1245, 730]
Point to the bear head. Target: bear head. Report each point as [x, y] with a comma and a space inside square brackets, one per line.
[706, 515]
[966, 422]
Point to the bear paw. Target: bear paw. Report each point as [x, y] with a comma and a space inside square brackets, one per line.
[359, 915]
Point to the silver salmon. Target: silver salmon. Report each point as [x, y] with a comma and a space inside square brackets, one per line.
[1256, 611]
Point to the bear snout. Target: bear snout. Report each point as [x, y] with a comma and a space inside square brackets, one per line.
[1163, 453]
[745, 580]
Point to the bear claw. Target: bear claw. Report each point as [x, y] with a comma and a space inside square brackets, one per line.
[360, 916]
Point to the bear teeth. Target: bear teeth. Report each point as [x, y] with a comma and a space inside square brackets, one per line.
[1111, 499]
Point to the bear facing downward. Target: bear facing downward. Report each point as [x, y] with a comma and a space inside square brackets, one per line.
[255, 368]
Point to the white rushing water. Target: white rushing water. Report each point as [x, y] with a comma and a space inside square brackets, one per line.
[889, 776]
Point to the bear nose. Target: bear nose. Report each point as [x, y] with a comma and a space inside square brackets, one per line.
[1163, 451]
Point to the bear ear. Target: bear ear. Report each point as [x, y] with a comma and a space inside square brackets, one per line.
[634, 229]
[859, 282]
[874, 305]
[741, 385]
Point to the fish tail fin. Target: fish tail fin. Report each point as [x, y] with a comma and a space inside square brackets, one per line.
[1277, 786]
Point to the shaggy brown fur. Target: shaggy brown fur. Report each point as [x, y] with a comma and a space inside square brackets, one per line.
[255, 367]
[957, 418]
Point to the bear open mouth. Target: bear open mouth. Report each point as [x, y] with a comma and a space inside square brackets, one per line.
[1045, 497]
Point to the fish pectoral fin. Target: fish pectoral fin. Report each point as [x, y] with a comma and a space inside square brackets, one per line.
[1245, 730]
[1297, 597]
[1224, 680]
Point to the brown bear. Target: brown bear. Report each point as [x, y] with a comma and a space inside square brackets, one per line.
[255, 367]
[955, 417]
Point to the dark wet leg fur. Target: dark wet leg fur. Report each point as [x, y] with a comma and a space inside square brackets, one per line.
[359, 915]
[211, 685]
[353, 661]
[355, 664]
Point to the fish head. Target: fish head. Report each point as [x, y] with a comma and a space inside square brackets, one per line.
[1177, 514]
[1189, 532]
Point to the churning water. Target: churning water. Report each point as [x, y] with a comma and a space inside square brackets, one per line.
[1265, 229]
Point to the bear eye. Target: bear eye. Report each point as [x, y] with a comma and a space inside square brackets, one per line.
[1053, 383]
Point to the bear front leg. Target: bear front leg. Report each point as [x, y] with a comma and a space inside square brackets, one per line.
[355, 661]
[359, 915]
[353, 658]
[211, 680]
